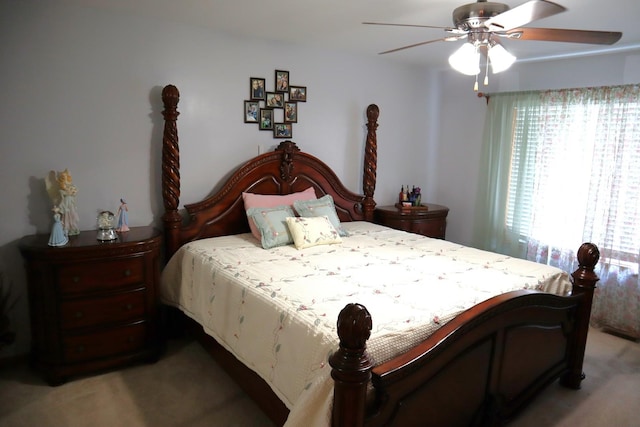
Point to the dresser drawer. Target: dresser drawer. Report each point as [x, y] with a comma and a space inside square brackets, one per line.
[90, 276]
[110, 342]
[93, 304]
[96, 311]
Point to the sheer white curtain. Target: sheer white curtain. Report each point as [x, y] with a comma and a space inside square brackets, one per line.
[562, 167]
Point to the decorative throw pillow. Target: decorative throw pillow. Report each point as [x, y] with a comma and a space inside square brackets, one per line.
[252, 200]
[312, 231]
[272, 225]
[320, 207]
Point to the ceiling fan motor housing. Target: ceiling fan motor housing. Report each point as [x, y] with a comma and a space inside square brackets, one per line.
[472, 16]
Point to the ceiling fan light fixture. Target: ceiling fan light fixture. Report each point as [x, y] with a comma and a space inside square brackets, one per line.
[466, 60]
[499, 57]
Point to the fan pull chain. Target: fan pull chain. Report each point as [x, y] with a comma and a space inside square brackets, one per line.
[475, 86]
[486, 73]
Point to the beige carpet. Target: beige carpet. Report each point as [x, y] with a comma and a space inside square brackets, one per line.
[186, 388]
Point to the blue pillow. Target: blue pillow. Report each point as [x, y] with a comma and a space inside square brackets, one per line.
[272, 224]
[320, 207]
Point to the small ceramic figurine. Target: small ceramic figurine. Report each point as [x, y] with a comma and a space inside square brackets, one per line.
[123, 217]
[58, 237]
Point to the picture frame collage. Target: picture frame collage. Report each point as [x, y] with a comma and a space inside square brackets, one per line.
[276, 110]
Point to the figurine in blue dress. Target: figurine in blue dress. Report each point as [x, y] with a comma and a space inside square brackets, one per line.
[123, 217]
[58, 236]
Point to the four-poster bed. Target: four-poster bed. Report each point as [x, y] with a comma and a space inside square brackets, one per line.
[479, 368]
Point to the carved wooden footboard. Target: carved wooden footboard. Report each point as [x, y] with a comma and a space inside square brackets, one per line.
[481, 368]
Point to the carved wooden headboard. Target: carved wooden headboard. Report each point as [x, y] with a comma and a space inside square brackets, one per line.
[285, 170]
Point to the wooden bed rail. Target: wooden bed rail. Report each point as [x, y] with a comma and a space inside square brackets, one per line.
[352, 368]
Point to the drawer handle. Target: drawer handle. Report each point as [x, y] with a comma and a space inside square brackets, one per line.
[131, 339]
[75, 279]
[127, 273]
[128, 307]
[79, 314]
[80, 349]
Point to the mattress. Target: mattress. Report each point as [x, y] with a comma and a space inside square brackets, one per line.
[276, 309]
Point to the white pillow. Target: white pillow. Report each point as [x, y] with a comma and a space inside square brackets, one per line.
[312, 231]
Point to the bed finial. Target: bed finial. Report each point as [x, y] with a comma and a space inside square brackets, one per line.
[351, 366]
[588, 256]
[370, 162]
[171, 168]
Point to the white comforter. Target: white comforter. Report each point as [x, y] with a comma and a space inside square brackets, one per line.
[276, 309]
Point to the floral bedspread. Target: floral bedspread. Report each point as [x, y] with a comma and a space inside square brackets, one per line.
[276, 309]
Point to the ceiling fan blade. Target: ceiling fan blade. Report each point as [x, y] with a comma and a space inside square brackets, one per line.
[445, 39]
[410, 25]
[565, 35]
[523, 14]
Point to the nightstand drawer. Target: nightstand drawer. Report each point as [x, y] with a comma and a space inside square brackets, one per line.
[80, 278]
[435, 229]
[105, 343]
[111, 309]
[429, 219]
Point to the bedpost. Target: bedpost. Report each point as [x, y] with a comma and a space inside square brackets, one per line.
[170, 169]
[351, 367]
[584, 283]
[370, 162]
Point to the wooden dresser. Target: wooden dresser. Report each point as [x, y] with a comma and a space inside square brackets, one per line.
[429, 220]
[93, 304]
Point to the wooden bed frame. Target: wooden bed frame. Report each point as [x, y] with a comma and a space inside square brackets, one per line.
[481, 368]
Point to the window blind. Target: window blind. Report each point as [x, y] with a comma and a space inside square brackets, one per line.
[575, 172]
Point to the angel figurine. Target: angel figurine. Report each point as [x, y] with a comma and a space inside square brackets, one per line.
[63, 195]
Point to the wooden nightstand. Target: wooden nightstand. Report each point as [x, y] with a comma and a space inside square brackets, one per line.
[430, 221]
[93, 304]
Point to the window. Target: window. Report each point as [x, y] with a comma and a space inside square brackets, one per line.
[575, 172]
[560, 168]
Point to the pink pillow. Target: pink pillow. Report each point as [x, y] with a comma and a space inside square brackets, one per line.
[252, 200]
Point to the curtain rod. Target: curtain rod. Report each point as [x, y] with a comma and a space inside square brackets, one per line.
[485, 95]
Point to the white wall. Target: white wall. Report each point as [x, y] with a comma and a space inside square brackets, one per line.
[81, 90]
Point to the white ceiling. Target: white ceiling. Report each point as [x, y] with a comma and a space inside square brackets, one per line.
[337, 24]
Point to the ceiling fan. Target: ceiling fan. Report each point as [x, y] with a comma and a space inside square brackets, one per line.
[484, 23]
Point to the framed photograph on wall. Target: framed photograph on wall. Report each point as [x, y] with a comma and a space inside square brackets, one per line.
[282, 130]
[282, 81]
[275, 100]
[251, 109]
[290, 112]
[257, 88]
[298, 93]
[266, 119]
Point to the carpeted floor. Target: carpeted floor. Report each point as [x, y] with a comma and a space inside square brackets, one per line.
[187, 389]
